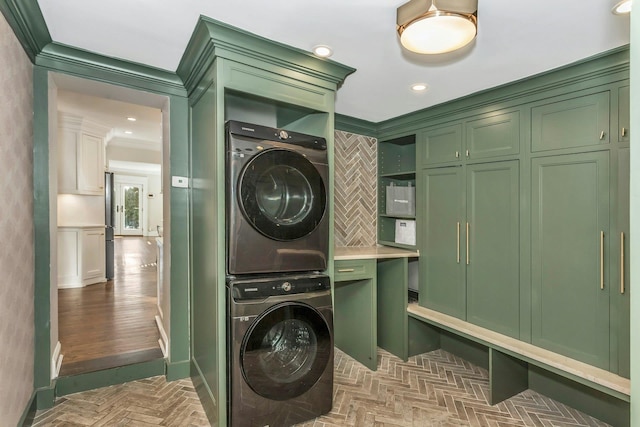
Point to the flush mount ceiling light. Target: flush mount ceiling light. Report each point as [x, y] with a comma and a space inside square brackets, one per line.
[622, 8]
[436, 26]
[322, 51]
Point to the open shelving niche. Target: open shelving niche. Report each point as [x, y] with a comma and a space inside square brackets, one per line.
[397, 165]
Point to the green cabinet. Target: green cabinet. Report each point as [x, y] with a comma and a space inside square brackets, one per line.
[493, 239]
[355, 310]
[441, 144]
[624, 117]
[442, 274]
[493, 135]
[620, 284]
[577, 121]
[470, 243]
[569, 242]
[397, 167]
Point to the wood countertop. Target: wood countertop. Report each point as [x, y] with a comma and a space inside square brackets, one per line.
[372, 252]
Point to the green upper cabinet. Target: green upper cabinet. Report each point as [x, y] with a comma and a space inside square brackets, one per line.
[493, 242]
[441, 144]
[492, 136]
[624, 117]
[442, 275]
[570, 239]
[572, 122]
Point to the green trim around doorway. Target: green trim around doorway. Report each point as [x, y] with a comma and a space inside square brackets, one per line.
[62, 59]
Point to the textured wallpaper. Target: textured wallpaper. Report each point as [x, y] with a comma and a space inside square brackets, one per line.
[356, 189]
[16, 228]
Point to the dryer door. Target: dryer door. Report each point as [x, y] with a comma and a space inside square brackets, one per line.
[281, 194]
[285, 351]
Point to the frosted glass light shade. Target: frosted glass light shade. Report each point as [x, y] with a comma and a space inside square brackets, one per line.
[438, 32]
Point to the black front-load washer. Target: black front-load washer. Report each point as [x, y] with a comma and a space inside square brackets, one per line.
[277, 200]
[280, 350]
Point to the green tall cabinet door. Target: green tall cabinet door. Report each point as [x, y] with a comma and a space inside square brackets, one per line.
[569, 246]
[621, 275]
[442, 281]
[441, 144]
[493, 287]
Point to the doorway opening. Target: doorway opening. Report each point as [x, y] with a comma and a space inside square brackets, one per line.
[109, 149]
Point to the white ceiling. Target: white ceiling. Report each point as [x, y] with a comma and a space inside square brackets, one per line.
[515, 39]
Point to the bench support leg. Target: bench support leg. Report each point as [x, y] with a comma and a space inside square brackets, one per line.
[422, 337]
[508, 376]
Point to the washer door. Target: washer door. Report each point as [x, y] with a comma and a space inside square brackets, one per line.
[285, 351]
[281, 194]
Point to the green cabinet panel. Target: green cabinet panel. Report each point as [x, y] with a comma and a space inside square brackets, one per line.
[621, 272]
[493, 205]
[624, 117]
[569, 239]
[441, 144]
[355, 312]
[496, 135]
[442, 281]
[392, 283]
[568, 123]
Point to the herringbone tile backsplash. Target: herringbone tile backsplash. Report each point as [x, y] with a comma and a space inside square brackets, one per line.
[355, 189]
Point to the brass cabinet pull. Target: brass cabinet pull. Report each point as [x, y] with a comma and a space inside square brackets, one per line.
[623, 132]
[467, 243]
[467, 153]
[602, 135]
[622, 263]
[458, 242]
[602, 260]
[457, 154]
[346, 270]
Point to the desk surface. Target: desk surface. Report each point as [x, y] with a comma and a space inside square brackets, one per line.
[372, 252]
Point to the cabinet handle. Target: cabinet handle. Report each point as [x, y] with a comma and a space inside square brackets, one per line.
[346, 270]
[623, 132]
[602, 260]
[622, 263]
[602, 135]
[467, 243]
[457, 154]
[467, 152]
[458, 242]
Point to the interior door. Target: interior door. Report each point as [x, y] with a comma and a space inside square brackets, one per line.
[129, 209]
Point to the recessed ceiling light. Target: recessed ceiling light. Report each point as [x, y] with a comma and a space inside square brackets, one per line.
[128, 132]
[419, 87]
[131, 119]
[322, 51]
[622, 8]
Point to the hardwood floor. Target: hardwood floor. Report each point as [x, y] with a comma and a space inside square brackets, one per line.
[112, 324]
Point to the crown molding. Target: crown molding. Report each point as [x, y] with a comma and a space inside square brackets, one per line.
[211, 39]
[354, 125]
[26, 20]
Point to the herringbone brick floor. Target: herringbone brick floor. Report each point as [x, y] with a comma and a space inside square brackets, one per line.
[433, 389]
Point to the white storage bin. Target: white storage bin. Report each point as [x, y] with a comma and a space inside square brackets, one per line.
[406, 231]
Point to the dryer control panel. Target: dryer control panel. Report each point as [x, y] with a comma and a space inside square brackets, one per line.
[260, 288]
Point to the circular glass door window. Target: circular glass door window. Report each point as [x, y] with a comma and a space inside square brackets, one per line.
[282, 194]
[285, 351]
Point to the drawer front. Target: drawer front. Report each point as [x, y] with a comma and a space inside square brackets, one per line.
[345, 270]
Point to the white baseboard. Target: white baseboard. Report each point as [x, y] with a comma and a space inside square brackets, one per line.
[56, 361]
[163, 341]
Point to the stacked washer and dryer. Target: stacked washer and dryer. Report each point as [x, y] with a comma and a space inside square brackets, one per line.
[280, 315]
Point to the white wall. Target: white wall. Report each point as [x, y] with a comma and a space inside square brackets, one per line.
[117, 152]
[16, 228]
[75, 209]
